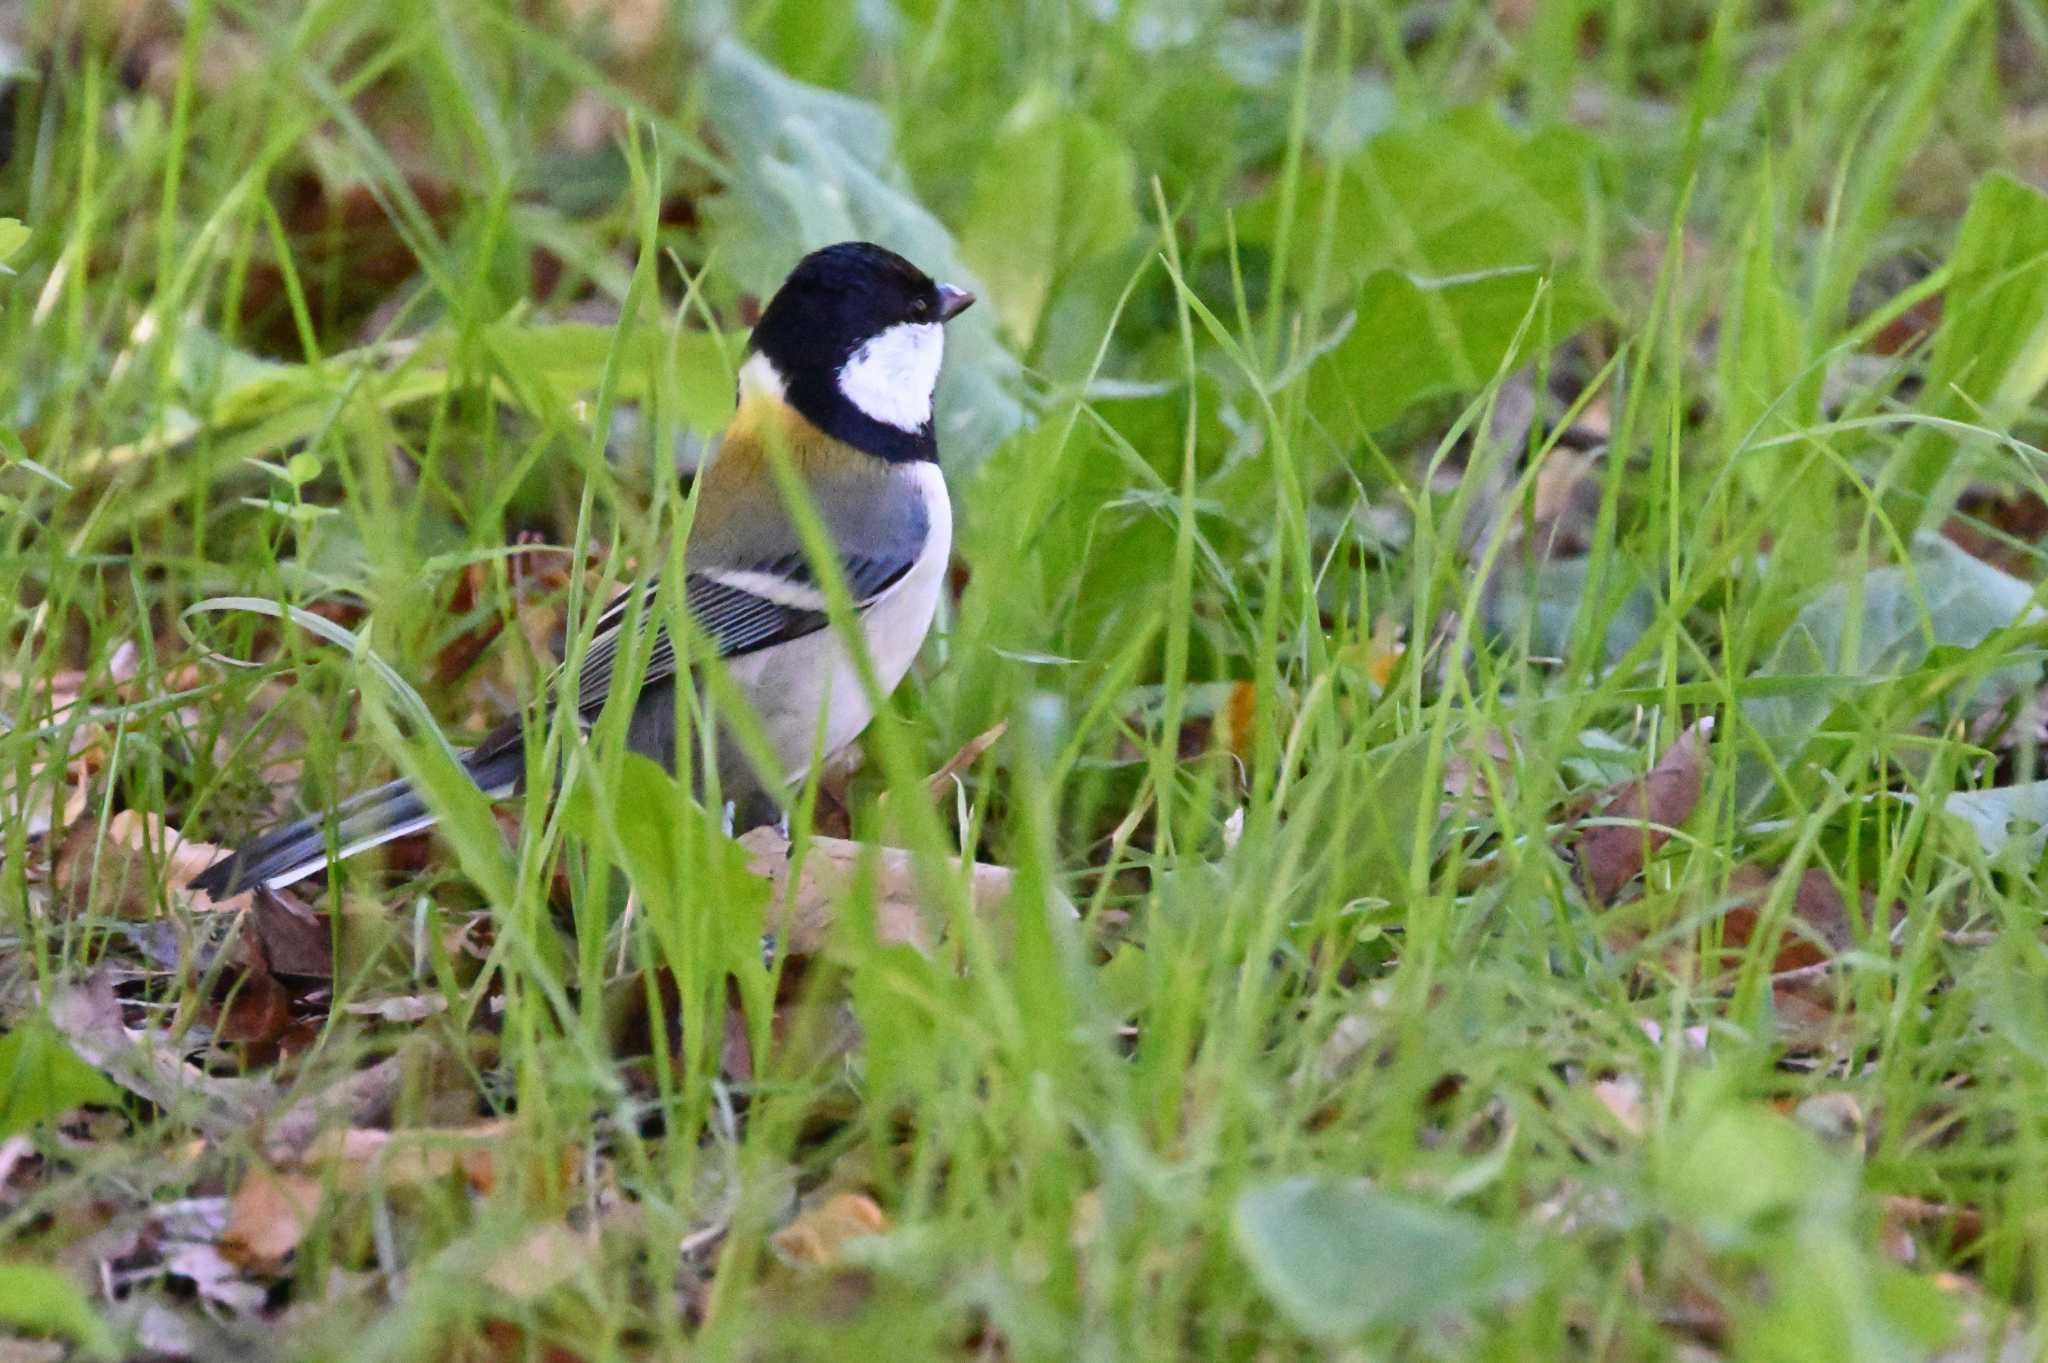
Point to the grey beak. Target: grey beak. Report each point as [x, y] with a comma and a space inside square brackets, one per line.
[953, 302]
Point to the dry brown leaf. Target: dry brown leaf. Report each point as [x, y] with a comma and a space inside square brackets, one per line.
[1610, 855]
[268, 1217]
[296, 940]
[364, 1159]
[363, 1097]
[1836, 1118]
[42, 801]
[399, 1007]
[1479, 767]
[736, 1054]
[15, 1152]
[89, 1016]
[940, 784]
[545, 1259]
[1817, 929]
[122, 872]
[1237, 720]
[502, 1339]
[459, 654]
[1954, 1229]
[634, 27]
[1623, 1099]
[256, 1013]
[818, 1236]
[834, 866]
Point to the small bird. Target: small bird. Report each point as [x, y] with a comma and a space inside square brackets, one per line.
[838, 377]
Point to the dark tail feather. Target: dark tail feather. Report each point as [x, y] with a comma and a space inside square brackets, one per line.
[287, 855]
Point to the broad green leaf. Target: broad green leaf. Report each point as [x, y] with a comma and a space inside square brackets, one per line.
[42, 1077]
[1418, 338]
[255, 406]
[1055, 189]
[1745, 1179]
[1545, 602]
[1888, 624]
[1460, 194]
[49, 1301]
[1990, 355]
[2005, 817]
[815, 167]
[570, 359]
[1846, 1302]
[13, 236]
[2009, 986]
[1336, 1256]
[818, 43]
[1742, 1170]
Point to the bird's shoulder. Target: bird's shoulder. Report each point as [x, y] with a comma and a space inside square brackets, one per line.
[871, 508]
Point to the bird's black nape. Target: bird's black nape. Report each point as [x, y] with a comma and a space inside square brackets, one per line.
[835, 301]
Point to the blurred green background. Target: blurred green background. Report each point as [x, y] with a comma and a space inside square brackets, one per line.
[1387, 430]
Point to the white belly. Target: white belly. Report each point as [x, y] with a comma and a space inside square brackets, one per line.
[793, 682]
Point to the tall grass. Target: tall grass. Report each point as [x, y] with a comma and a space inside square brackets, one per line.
[323, 305]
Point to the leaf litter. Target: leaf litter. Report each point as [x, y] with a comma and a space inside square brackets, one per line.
[197, 1024]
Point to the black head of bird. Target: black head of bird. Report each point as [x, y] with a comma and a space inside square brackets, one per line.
[853, 341]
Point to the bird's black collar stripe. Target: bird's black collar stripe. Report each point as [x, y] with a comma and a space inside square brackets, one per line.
[815, 395]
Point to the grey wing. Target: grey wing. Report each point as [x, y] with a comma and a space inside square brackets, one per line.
[739, 610]
[750, 585]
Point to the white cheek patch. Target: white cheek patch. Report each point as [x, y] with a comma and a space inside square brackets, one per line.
[892, 375]
[760, 378]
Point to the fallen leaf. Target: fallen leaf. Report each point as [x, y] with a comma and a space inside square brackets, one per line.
[15, 1153]
[121, 873]
[1238, 718]
[268, 1217]
[1999, 526]
[1954, 1229]
[1818, 927]
[1477, 768]
[367, 1159]
[399, 1007]
[175, 1329]
[461, 652]
[545, 1259]
[1837, 1118]
[1623, 1099]
[834, 866]
[1641, 816]
[816, 1237]
[215, 1277]
[89, 1016]
[502, 1339]
[362, 1097]
[256, 1012]
[296, 941]
[48, 799]
[736, 1055]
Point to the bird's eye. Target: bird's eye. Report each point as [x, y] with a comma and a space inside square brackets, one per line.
[920, 306]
